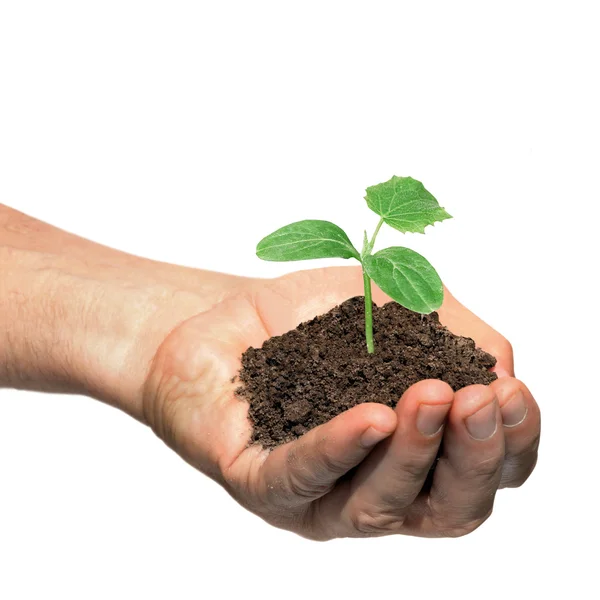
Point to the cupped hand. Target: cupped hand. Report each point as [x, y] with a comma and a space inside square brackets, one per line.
[367, 472]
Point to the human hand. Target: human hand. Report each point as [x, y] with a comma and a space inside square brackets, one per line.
[367, 471]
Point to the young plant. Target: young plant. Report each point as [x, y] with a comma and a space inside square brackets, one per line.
[404, 275]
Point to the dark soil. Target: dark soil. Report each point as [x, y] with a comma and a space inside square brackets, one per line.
[307, 376]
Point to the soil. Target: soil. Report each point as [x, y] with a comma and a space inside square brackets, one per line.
[307, 376]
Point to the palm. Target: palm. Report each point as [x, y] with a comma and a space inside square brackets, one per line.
[196, 363]
[192, 405]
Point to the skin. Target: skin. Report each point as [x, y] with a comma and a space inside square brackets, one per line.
[162, 343]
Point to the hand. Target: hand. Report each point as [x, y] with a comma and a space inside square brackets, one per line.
[365, 472]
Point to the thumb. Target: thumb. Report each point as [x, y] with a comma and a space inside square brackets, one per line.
[302, 471]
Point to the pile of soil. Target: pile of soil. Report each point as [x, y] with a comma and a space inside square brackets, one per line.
[307, 376]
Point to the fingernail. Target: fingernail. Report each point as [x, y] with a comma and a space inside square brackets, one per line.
[482, 424]
[515, 410]
[431, 418]
[372, 436]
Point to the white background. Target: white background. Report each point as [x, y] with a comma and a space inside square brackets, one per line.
[185, 131]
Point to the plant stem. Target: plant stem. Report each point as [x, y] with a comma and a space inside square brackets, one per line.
[372, 242]
[367, 249]
[368, 314]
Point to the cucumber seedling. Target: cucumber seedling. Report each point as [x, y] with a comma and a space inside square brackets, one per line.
[403, 274]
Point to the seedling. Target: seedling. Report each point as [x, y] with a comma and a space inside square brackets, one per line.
[403, 274]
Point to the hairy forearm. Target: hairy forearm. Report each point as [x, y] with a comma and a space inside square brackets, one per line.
[78, 317]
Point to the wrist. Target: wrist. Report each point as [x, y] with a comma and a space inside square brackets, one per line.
[82, 318]
[124, 325]
[93, 326]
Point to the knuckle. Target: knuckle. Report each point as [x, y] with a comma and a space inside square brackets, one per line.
[370, 522]
[515, 473]
[535, 444]
[486, 471]
[328, 464]
[456, 530]
[308, 478]
[415, 468]
[301, 485]
[518, 467]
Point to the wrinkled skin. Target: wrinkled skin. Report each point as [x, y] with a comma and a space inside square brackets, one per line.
[365, 472]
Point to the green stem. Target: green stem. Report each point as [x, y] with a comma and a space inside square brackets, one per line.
[368, 298]
[368, 314]
[372, 242]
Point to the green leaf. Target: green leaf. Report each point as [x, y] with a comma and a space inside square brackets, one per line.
[304, 240]
[405, 204]
[406, 277]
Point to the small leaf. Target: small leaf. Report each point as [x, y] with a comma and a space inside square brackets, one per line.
[406, 277]
[365, 248]
[405, 204]
[304, 240]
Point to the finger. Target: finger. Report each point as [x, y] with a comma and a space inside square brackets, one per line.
[461, 321]
[378, 498]
[500, 348]
[468, 472]
[521, 424]
[302, 471]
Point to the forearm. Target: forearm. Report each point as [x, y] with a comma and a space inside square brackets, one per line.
[78, 317]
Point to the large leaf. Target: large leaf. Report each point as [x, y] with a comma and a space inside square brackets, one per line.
[304, 240]
[405, 204]
[406, 277]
